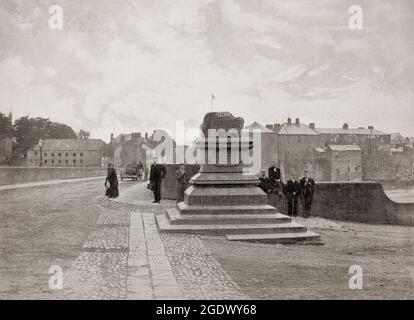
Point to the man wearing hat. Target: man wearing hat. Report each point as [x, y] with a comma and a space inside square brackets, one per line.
[292, 191]
[307, 187]
[157, 175]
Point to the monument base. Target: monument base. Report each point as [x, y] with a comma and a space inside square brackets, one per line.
[230, 203]
[224, 200]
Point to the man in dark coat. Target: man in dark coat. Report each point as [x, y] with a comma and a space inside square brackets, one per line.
[157, 174]
[182, 182]
[274, 173]
[275, 178]
[264, 182]
[292, 191]
[307, 187]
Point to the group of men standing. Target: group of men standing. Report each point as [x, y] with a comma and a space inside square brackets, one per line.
[157, 175]
[272, 184]
[292, 189]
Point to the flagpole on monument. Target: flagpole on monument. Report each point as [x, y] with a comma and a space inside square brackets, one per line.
[213, 97]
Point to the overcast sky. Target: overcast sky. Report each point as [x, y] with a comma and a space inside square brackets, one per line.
[122, 66]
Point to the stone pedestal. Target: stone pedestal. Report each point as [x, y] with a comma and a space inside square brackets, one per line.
[224, 200]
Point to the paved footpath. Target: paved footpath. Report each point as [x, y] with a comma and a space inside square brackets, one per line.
[45, 183]
[127, 258]
[150, 274]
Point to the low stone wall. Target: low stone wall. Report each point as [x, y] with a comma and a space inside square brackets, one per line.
[15, 175]
[348, 201]
[169, 186]
[353, 201]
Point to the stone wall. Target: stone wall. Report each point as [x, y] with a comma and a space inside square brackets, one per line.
[354, 201]
[349, 201]
[14, 175]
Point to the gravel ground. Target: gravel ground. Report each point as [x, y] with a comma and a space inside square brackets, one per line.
[265, 271]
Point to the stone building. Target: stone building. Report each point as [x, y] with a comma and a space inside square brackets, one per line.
[295, 148]
[67, 153]
[375, 147]
[130, 149]
[268, 146]
[370, 140]
[344, 162]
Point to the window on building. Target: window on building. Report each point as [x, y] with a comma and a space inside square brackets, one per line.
[60, 161]
[74, 161]
[45, 154]
[53, 154]
[45, 161]
[59, 154]
[53, 161]
[81, 161]
[74, 154]
[299, 139]
[35, 153]
[67, 161]
[66, 154]
[81, 154]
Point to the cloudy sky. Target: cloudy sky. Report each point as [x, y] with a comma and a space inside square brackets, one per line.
[122, 66]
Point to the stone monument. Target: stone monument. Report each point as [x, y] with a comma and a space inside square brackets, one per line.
[224, 200]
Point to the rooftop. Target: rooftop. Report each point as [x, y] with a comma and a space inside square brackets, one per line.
[296, 129]
[350, 131]
[256, 125]
[71, 144]
[344, 147]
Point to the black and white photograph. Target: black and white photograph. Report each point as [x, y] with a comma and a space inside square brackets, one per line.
[229, 151]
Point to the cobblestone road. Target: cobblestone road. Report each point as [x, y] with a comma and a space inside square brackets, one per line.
[196, 270]
[125, 257]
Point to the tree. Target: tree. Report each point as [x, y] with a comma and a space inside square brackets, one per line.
[60, 131]
[82, 134]
[28, 132]
[6, 127]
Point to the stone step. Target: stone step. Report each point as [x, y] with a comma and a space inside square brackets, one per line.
[225, 210]
[303, 237]
[176, 218]
[225, 196]
[164, 225]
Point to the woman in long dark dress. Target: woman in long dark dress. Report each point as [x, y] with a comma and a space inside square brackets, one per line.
[111, 178]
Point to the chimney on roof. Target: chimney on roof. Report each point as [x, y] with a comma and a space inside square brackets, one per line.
[345, 126]
[297, 121]
[269, 126]
[112, 137]
[312, 125]
[276, 127]
[371, 127]
[146, 135]
[289, 121]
